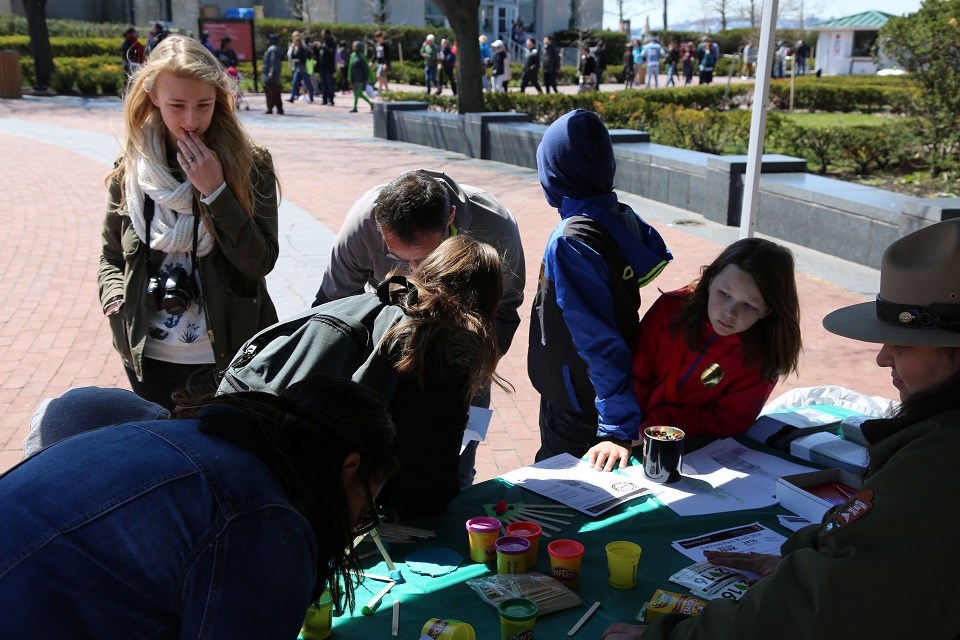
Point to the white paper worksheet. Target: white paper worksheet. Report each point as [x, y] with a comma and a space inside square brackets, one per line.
[577, 484]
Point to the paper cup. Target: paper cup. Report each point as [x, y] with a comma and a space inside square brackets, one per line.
[622, 560]
[517, 618]
[483, 533]
[512, 554]
[318, 624]
[662, 453]
[443, 629]
[565, 559]
[532, 532]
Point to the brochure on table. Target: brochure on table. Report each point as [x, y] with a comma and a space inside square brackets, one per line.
[577, 484]
[751, 538]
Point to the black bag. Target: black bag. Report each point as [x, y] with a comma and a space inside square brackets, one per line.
[340, 338]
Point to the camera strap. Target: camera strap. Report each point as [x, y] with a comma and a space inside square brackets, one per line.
[148, 211]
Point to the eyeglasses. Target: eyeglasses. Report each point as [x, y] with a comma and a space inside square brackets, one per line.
[370, 520]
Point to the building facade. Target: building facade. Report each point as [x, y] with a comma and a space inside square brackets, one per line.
[845, 45]
[497, 17]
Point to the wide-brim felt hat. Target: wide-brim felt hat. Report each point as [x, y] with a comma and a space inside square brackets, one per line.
[919, 299]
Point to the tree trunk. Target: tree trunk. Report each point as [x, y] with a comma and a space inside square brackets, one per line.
[665, 15]
[464, 19]
[39, 42]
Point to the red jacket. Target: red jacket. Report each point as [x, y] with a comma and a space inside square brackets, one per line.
[726, 408]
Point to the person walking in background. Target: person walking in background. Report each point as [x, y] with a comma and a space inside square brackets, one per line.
[688, 60]
[205, 41]
[585, 313]
[550, 59]
[229, 520]
[673, 59]
[343, 57]
[226, 54]
[486, 60]
[802, 53]
[447, 66]
[531, 67]
[749, 60]
[297, 56]
[359, 75]
[381, 58]
[600, 55]
[636, 53]
[270, 75]
[501, 67]
[708, 54]
[628, 67]
[430, 53]
[131, 51]
[190, 231]
[328, 66]
[587, 70]
[652, 54]
[155, 36]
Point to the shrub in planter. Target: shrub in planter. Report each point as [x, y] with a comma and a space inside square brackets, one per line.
[708, 131]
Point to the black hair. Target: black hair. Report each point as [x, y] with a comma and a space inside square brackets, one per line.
[303, 435]
[413, 203]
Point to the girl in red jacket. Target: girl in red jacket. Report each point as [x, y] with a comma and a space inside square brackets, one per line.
[707, 356]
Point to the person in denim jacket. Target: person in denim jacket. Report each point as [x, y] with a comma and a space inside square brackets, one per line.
[228, 521]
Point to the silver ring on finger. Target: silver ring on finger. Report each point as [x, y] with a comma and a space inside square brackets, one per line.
[186, 164]
[192, 158]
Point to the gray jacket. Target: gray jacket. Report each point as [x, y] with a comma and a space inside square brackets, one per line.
[271, 65]
[358, 259]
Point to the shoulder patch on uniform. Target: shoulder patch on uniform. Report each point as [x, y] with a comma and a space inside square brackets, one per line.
[849, 512]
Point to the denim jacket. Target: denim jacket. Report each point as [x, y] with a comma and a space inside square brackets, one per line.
[151, 530]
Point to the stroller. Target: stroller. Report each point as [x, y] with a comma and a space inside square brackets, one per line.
[236, 77]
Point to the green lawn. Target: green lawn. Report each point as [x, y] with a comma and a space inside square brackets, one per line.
[837, 119]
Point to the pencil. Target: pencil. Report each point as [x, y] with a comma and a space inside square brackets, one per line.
[396, 617]
[371, 606]
[583, 620]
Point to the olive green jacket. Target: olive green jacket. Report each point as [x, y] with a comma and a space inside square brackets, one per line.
[883, 568]
[234, 292]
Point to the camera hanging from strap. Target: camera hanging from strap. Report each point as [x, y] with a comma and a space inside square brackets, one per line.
[148, 211]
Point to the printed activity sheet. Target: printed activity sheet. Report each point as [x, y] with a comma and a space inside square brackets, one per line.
[577, 484]
[751, 538]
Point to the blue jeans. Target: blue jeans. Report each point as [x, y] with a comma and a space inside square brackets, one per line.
[430, 76]
[300, 77]
[147, 530]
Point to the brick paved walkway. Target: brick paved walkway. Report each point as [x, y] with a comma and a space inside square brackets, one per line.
[56, 152]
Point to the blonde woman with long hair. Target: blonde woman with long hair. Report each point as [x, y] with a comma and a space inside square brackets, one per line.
[191, 225]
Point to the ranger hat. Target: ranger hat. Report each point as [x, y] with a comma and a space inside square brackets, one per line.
[919, 299]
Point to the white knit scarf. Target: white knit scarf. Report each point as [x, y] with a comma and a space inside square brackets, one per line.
[171, 230]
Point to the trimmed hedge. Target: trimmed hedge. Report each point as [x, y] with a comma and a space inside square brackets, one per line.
[66, 47]
[814, 95]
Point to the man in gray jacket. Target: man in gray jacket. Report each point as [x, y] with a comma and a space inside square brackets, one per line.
[397, 225]
[270, 75]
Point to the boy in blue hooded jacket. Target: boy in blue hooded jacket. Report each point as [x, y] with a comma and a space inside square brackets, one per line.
[585, 313]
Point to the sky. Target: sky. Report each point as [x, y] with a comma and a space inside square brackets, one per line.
[683, 10]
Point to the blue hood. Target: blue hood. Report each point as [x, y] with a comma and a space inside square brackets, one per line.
[575, 158]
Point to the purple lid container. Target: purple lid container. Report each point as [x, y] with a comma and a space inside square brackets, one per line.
[483, 524]
[512, 545]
